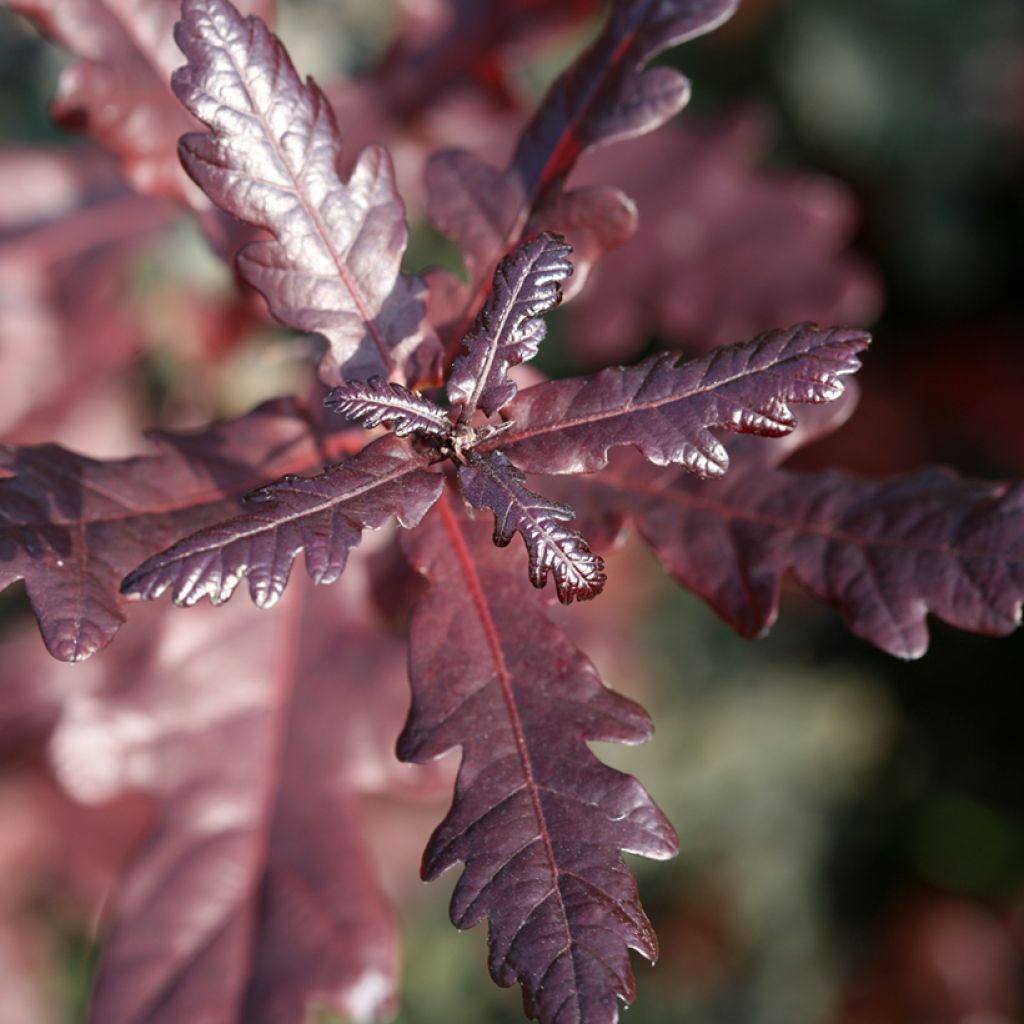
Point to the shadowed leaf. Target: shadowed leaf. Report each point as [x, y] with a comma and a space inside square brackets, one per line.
[537, 819]
[71, 526]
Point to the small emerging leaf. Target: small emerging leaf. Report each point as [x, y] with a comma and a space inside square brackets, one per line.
[508, 329]
[491, 481]
[381, 402]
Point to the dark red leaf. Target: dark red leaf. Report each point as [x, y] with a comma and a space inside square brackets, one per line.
[722, 250]
[324, 516]
[381, 403]
[72, 526]
[255, 898]
[669, 411]
[537, 819]
[491, 481]
[271, 160]
[509, 328]
[606, 94]
[885, 552]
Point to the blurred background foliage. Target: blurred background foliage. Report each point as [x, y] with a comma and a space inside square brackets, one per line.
[852, 828]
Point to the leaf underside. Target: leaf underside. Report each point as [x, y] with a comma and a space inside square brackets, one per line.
[537, 820]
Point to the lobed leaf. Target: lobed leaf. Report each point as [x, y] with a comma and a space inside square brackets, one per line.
[491, 481]
[509, 328]
[379, 402]
[271, 159]
[323, 515]
[668, 411]
[72, 526]
[537, 820]
[886, 553]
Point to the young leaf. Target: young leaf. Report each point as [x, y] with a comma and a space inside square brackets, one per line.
[323, 515]
[885, 552]
[605, 95]
[669, 411]
[255, 897]
[271, 159]
[491, 481]
[379, 402]
[537, 819]
[509, 328]
[71, 526]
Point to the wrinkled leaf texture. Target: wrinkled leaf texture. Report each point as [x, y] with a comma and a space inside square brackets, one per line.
[324, 516]
[491, 481]
[271, 159]
[255, 897]
[509, 328]
[72, 526]
[537, 820]
[379, 402]
[668, 411]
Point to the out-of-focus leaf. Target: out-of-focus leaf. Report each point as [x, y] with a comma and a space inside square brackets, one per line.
[509, 328]
[669, 411]
[324, 516]
[118, 91]
[537, 819]
[721, 251]
[491, 481]
[271, 159]
[254, 898]
[72, 526]
[608, 93]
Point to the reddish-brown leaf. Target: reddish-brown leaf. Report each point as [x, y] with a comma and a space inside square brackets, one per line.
[491, 481]
[323, 516]
[72, 526]
[255, 897]
[537, 819]
[669, 411]
[271, 159]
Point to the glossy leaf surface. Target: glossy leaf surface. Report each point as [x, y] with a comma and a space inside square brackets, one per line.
[379, 402]
[324, 516]
[271, 160]
[537, 819]
[509, 328]
[72, 526]
[668, 411]
[491, 481]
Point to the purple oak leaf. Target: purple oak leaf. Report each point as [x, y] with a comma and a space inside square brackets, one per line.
[491, 481]
[537, 820]
[324, 516]
[669, 411]
[271, 159]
